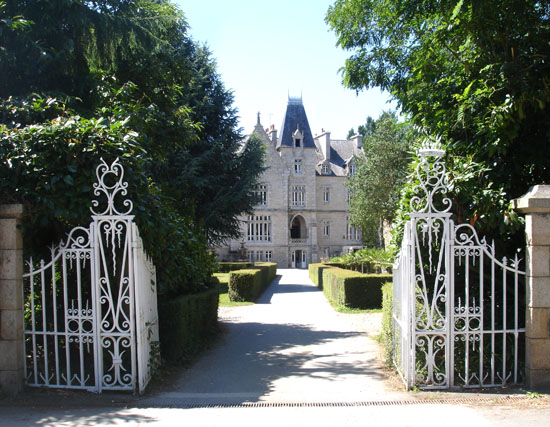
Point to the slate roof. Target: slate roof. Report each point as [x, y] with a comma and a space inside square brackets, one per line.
[295, 116]
[341, 152]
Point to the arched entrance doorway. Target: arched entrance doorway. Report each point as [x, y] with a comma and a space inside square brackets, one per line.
[298, 229]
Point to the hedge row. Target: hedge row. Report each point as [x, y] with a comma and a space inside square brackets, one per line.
[349, 288]
[387, 322]
[248, 284]
[226, 267]
[187, 325]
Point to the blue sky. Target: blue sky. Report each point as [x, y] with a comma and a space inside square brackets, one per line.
[266, 50]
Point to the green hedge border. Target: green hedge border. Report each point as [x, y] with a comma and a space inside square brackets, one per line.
[348, 288]
[226, 267]
[248, 284]
[187, 325]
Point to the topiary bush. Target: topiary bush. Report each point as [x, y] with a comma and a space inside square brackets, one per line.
[352, 289]
[248, 284]
[386, 337]
[226, 267]
[316, 273]
[187, 325]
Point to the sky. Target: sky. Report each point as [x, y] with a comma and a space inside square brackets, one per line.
[267, 50]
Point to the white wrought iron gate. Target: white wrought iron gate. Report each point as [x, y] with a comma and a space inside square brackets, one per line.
[458, 312]
[91, 311]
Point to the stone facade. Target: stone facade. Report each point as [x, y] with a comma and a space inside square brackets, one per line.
[11, 299]
[303, 213]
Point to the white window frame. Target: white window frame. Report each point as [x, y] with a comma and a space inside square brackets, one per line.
[299, 195]
[259, 228]
[326, 194]
[261, 191]
[325, 169]
[326, 229]
[268, 256]
[298, 166]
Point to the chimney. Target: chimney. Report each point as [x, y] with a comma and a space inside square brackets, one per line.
[273, 134]
[324, 142]
[357, 141]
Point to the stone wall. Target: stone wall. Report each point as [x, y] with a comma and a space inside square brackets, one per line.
[536, 207]
[11, 299]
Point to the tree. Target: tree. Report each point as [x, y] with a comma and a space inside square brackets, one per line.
[473, 73]
[122, 78]
[380, 175]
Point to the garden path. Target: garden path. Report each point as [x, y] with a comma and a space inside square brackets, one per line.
[290, 346]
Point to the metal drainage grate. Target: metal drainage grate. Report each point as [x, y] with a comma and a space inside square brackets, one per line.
[468, 400]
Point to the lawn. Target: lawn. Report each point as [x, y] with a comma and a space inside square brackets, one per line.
[223, 278]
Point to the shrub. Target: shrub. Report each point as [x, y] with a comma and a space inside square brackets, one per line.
[226, 267]
[316, 273]
[352, 289]
[269, 271]
[387, 322]
[248, 284]
[187, 325]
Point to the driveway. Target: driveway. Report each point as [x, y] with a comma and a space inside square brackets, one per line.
[289, 360]
[289, 347]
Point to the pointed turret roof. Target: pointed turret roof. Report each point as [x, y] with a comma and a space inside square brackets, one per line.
[295, 118]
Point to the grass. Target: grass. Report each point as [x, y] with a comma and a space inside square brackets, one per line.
[348, 310]
[223, 278]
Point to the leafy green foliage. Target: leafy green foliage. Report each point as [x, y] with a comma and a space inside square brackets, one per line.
[473, 73]
[380, 175]
[386, 337]
[368, 260]
[110, 78]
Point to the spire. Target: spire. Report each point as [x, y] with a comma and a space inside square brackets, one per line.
[295, 120]
[258, 118]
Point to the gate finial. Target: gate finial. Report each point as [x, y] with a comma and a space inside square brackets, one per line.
[105, 175]
[431, 174]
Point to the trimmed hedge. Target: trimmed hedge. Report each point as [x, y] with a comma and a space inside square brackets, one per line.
[187, 325]
[226, 267]
[269, 271]
[349, 288]
[248, 284]
[316, 273]
[387, 322]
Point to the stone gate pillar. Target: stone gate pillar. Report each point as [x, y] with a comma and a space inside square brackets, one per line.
[536, 207]
[11, 299]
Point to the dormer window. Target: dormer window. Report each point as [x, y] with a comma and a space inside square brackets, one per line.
[298, 137]
[325, 170]
[352, 169]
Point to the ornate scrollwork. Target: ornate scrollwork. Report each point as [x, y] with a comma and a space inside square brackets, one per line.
[431, 174]
[111, 190]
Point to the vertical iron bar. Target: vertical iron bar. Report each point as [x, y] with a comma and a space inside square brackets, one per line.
[33, 328]
[80, 320]
[504, 326]
[516, 320]
[56, 338]
[481, 316]
[44, 322]
[131, 284]
[467, 316]
[450, 273]
[96, 305]
[493, 314]
[66, 303]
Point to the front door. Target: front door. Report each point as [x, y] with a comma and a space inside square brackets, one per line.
[298, 259]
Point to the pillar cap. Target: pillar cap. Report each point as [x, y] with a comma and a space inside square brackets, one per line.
[11, 210]
[537, 199]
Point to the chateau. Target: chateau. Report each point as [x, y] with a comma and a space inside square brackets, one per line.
[303, 211]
